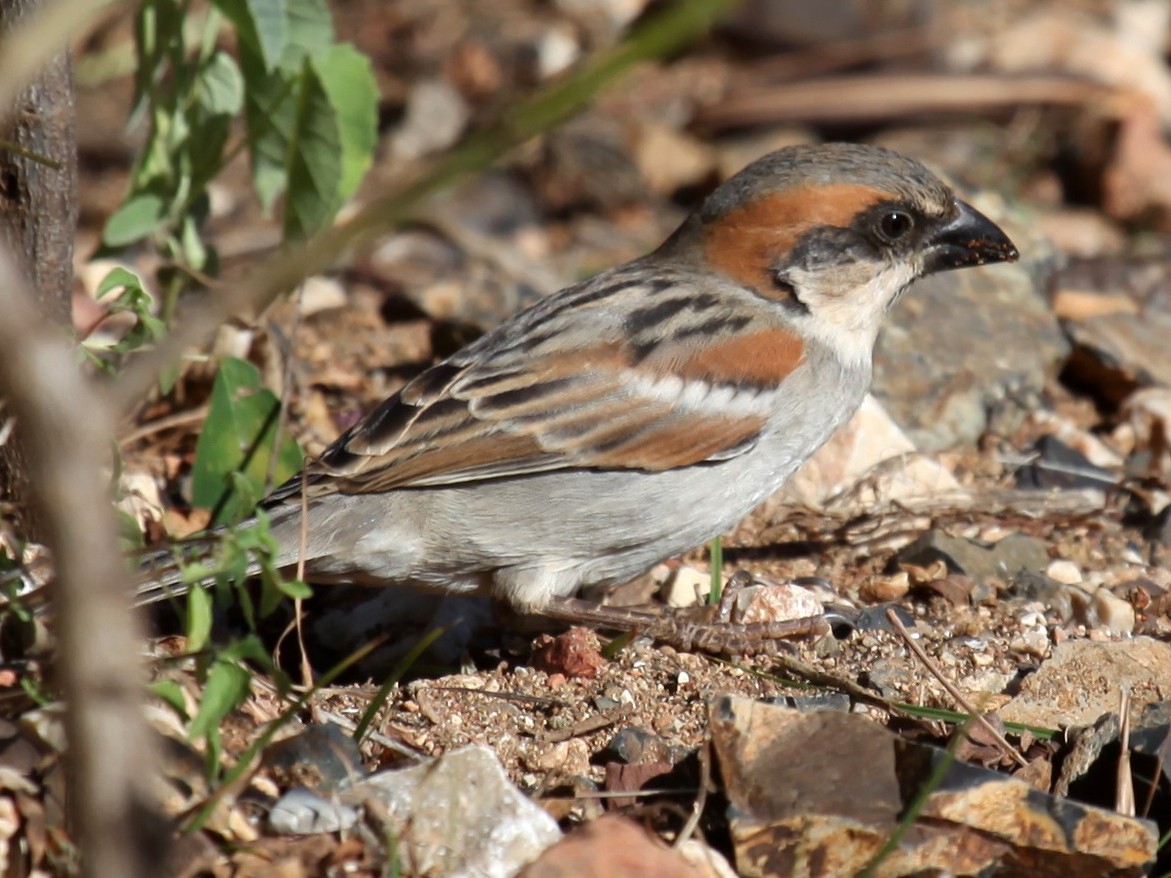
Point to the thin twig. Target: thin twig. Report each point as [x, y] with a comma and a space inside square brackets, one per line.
[377, 737]
[158, 425]
[1124, 781]
[955, 693]
[1160, 761]
[873, 97]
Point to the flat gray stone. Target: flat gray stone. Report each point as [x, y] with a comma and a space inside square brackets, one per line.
[1119, 352]
[1082, 679]
[1006, 559]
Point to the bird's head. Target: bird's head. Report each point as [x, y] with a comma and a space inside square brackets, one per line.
[835, 233]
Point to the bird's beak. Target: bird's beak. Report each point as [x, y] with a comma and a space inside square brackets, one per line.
[969, 239]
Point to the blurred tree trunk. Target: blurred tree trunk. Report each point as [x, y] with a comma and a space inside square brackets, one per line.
[38, 215]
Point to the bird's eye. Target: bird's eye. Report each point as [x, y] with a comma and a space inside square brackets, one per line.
[895, 225]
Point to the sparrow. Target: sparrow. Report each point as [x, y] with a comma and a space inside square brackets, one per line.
[633, 416]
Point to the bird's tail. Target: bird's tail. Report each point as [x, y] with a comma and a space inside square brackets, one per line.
[172, 570]
[161, 572]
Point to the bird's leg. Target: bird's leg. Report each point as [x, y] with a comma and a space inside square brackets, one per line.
[685, 630]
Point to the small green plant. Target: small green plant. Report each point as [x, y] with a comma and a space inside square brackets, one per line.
[226, 561]
[122, 293]
[240, 450]
[212, 81]
[307, 107]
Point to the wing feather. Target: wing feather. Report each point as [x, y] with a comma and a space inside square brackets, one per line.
[517, 403]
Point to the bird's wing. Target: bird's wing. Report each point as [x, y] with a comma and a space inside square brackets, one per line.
[594, 377]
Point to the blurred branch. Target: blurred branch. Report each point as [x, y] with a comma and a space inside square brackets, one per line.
[28, 48]
[68, 428]
[870, 97]
[669, 31]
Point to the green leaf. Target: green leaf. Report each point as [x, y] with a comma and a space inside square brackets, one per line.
[191, 246]
[347, 78]
[248, 649]
[310, 29]
[172, 693]
[226, 689]
[314, 161]
[138, 217]
[237, 442]
[220, 86]
[263, 26]
[130, 535]
[198, 619]
[273, 94]
[118, 278]
[333, 142]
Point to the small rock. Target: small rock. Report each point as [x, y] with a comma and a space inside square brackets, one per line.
[614, 846]
[1082, 233]
[706, 859]
[959, 344]
[875, 618]
[322, 758]
[575, 653]
[1034, 641]
[689, 587]
[1054, 595]
[1005, 559]
[435, 116]
[890, 678]
[1113, 613]
[796, 795]
[1059, 467]
[1084, 442]
[632, 745]
[1118, 353]
[500, 829]
[1063, 571]
[304, 812]
[957, 589]
[670, 160]
[556, 49]
[319, 293]
[1148, 416]
[778, 602]
[565, 758]
[622, 778]
[883, 589]
[870, 447]
[1080, 681]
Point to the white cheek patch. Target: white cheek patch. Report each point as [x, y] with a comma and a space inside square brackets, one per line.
[846, 316]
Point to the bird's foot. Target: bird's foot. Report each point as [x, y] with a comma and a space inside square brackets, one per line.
[712, 630]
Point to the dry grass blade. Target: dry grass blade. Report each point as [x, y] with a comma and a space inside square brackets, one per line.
[1124, 802]
[1160, 762]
